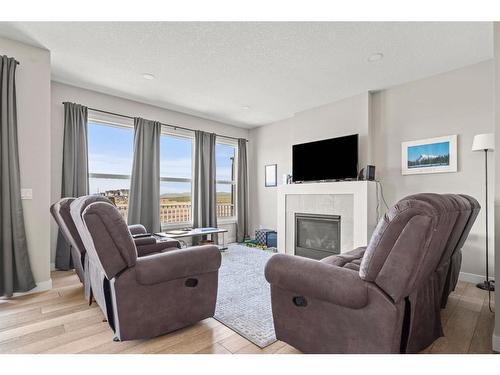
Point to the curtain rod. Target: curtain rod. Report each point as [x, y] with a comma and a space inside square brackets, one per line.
[172, 126]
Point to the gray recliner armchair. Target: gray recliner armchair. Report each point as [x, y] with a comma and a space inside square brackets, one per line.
[61, 213]
[384, 298]
[146, 296]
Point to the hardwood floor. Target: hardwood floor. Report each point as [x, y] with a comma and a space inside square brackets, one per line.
[60, 321]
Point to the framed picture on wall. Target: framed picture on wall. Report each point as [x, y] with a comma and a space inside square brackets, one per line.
[271, 175]
[433, 155]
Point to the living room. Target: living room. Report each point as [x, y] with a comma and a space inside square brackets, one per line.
[249, 191]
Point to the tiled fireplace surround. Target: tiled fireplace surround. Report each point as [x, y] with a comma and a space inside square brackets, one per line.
[353, 201]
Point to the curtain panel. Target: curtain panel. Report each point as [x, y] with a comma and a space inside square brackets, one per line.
[144, 199]
[75, 168]
[204, 184]
[242, 192]
[15, 269]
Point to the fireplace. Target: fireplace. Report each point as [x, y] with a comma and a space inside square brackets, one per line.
[317, 236]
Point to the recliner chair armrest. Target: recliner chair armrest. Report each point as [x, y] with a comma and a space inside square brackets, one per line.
[142, 241]
[137, 229]
[177, 264]
[144, 249]
[313, 279]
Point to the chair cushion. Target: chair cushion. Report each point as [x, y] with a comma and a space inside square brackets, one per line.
[104, 233]
[350, 259]
[387, 233]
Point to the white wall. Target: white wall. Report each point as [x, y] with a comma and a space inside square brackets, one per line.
[33, 120]
[272, 144]
[62, 93]
[458, 102]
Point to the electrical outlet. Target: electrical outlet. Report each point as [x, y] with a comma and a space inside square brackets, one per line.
[26, 193]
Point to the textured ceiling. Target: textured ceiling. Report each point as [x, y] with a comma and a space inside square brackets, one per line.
[250, 74]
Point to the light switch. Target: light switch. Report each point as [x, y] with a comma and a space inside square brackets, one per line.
[26, 193]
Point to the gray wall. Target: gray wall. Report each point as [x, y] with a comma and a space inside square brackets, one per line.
[496, 39]
[272, 144]
[62, 92]
[33, 113]
[458, 102]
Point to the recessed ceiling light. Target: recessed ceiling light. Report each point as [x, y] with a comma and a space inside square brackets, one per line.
[148, 76]
[375, 57]
[245, 107]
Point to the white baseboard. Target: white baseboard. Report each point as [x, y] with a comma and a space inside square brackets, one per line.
[496, 343]
[52, 267]
[472, 278]
[40, 287]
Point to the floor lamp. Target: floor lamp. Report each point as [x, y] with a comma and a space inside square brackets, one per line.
[485, 142]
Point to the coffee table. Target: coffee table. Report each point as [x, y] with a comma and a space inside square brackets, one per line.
[196, 232]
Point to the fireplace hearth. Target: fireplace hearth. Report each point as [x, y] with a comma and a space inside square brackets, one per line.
[317, 236]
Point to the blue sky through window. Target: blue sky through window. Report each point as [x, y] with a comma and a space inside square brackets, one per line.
[111, 152]
[224, 158]
[110, 149]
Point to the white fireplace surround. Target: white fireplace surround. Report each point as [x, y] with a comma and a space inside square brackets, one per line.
[354, 201]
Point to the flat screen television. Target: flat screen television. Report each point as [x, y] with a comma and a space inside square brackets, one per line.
[328, 159]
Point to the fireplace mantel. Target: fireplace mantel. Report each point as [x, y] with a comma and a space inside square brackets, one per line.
[362, 209]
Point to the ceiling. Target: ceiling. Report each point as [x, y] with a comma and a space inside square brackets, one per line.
[250, 74]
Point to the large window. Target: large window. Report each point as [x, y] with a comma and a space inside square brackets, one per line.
[175, 178]
[110, 150]
[225, 154]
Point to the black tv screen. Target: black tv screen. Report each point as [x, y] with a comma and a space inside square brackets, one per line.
[329, 159]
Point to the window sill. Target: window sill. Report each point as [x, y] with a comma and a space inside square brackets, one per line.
[172, 226]
[227, 220]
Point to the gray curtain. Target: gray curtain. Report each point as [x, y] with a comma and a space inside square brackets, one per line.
[204, 187]
[242, 192]
[144, 200]
[75, 182]
[15, 269]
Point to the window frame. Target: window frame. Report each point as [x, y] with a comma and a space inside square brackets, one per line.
[183, 134]
[234, 143]
[124, 123]
[112, 121]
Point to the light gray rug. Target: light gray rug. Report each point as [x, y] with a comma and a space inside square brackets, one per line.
[244, 295]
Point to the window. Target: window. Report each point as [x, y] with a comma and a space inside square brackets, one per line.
[111, 148]
[175, 178]
[225, 159]
[110, 152]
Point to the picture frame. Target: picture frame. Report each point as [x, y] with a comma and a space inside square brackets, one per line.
[271, 175]
[432, 155]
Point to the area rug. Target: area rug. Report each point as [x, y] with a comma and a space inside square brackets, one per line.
[244, 295]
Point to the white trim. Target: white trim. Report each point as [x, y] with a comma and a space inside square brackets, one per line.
[226, 141]
[40, 287]
[495, 343]
[227, 220]
[472, 277]
[110, 120]
[52, 266]
[177, 133]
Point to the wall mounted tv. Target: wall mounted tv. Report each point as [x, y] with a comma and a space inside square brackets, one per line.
[328, 159]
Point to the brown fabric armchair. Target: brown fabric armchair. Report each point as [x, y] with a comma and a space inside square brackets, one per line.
[146, 296]
[384, 298]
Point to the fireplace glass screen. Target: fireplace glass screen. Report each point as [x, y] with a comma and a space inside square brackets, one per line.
[317, 236]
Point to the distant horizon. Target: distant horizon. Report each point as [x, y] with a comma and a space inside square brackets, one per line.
[180, 194]
[110, 151]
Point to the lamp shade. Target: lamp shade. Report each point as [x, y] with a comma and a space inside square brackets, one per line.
[483, 142]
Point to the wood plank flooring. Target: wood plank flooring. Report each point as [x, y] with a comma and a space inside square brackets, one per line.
[60, 321]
